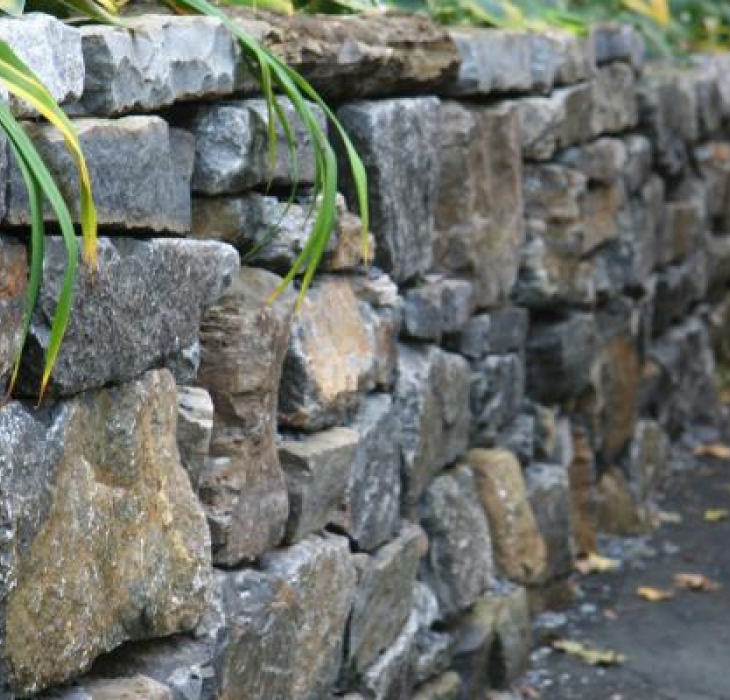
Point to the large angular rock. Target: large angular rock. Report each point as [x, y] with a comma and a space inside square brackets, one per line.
[437, 307]
[678, 288]
[317, 469]
[646, 460]
[331, 357]
[232, 147]
[194, 429]
[713, 161]
[479, 221]
[458, 566]
[140, 172]
[602, 161]
[155, 61]
[497, 333]
[142, 307]
[361, 55]
[615, 102]
[323, 577]
[120, 523]
[371, 513]
[13, 275]
[383, 599]
[582, 476]
[519, 550]
[548, 489]
[52, 50]
[243, 341]
[433, 404]
[618, 42]
[398, 142]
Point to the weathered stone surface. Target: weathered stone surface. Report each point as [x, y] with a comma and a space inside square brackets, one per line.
[445, 687]
[713, 161]
[273, 232]
[331, 357]
[519, 550]
[646, 459]
[559, 357]
[601, 161]
[52, 50]
[383, 599]
[493, 640]
[458, 566]
[618, 42]
[437, 307]
[139, 167]
[638, 165]
[519, 437]
[317, 469]
[154, 61]
[243, 341]
[496, 393]
[685, 224]
[548, 490]
[194, 429]
[121, 524]
[618, 512]
[322, 575]
[143, 306]
[398, 142]
[582, 476]
[433, 405]
[232, 151]
[559, 58]
[479, 221]
[371, 513]
[678, 288]
[557, 121]
[615, 102]
[433, 653]
[362, 55]
[497, 333]
[137, 687]
[13, 274]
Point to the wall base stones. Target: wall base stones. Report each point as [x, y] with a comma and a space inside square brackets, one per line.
[224, 497]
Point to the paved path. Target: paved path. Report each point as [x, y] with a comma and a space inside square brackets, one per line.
[676, 650]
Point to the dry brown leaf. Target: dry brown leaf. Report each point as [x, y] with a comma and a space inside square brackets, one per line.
[654, 595]
[715, 515]
[668, 517]
[713, 449]
[596, 564]
[696, 582]
[592, 656]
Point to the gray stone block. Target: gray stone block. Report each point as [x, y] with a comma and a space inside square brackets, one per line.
[458, 566]
[497, 333]
[618, 42]
[398, 141]
[436, 308]
[317, 469]
[194, 429]
[144, 305]
[615, 101]
[139, 168]
[602, 161]
[232, 150]
[154, 61]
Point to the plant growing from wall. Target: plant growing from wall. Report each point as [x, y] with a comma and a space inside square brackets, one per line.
[273, 76]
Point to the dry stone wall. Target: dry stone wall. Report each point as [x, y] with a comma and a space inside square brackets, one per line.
[367, 499]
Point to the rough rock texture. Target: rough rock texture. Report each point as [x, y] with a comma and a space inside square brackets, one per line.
[432, 399]
[143, 306]
[322, 575]
[243, 342]
[445, 687]
[331, 357]
[155, 61]
[194, 429]
[360, 55]
[121, 527]
[52, 50]
[519, 550]
[437, 307]
[139, 167]
[398, 142]
[232, 147]
[371, 513]
[458, 566]
[13, 272]
[383, 599]
[479, 219]
[317, 470]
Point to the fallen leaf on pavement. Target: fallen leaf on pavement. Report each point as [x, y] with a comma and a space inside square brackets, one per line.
[696, 582]
[714, 515]
[610, 614]
[714, 449]
[654, 595]
[592, 656]
[594, 563]
[666, 517]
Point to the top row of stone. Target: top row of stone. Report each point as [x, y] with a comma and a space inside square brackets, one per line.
[163, 59]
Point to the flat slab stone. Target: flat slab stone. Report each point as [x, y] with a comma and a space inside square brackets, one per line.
[140, 173]
[154, 61]
[143, 306]
[96, 501]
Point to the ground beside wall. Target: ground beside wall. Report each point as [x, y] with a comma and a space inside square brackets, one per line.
[369, 498]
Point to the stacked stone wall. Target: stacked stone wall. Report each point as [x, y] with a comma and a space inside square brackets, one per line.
[367, 498]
